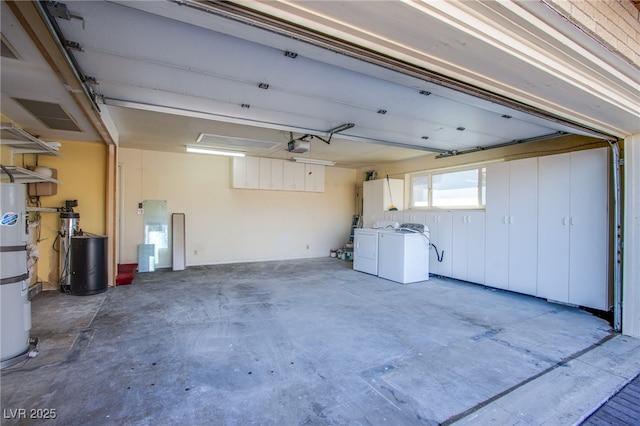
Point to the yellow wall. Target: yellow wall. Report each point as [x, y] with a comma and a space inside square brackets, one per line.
[82, 171]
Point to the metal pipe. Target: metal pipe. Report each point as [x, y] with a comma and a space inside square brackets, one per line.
[8, 172]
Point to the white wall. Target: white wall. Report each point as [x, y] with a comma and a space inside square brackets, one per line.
[225, 225]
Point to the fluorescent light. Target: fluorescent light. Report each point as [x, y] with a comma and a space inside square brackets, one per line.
[214, 152]
[314, 161]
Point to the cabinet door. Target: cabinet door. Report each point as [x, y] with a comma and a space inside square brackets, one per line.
[394, 215]
[252, 180]
[497, 226]
[431, 221]
[468, 242]
[553, 227]
[475, 244]
[245, 172]
[445, 234]
[588, 224]
[523, 225]
[368, 211]
[314, 178]
[292, 176]
[413, 216]
[238, 172]
[460, 246]
[440, 225]
[372, 202]
[271, 173]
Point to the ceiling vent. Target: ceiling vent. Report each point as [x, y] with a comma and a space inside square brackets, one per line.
[240, 144]
[7, 49]
[52, 115]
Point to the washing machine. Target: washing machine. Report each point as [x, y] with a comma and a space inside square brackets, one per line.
[403, 255]
[365, 246]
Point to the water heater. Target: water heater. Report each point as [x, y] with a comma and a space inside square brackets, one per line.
[15, 311]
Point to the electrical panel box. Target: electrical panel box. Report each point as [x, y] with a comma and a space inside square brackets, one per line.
[44, 188]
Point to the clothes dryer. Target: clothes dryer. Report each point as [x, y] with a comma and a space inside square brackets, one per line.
[365, 246]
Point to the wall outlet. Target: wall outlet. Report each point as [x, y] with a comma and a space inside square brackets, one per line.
[140, 211]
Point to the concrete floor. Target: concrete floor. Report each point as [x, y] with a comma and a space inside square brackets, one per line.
[313, 342]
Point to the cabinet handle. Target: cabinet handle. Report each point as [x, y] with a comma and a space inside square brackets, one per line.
[571, 221]
[468, 219]
[564, 221]
[511, 220]
[504, 220]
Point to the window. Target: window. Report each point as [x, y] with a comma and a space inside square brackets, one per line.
[461, 188]
[420, 190]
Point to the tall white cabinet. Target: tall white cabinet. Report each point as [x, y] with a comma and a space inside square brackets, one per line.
[512, 225]
[378, 196]
[573, 234]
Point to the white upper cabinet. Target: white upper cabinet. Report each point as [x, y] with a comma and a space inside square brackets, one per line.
[314, 178]
[573, 235]
[245, 172]
[293, 176]
[275, 174]
[271, 173]
[511, 225]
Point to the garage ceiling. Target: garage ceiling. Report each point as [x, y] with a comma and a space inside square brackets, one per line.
[164, 72]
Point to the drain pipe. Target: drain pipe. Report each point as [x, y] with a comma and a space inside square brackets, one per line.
[617, 267]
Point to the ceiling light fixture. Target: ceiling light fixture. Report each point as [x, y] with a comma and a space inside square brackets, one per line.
[194, 150]
[314, 161]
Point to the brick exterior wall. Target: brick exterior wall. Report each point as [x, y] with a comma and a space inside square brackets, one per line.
[613, 23]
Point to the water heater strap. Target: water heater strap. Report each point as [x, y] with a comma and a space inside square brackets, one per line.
[15, 279]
